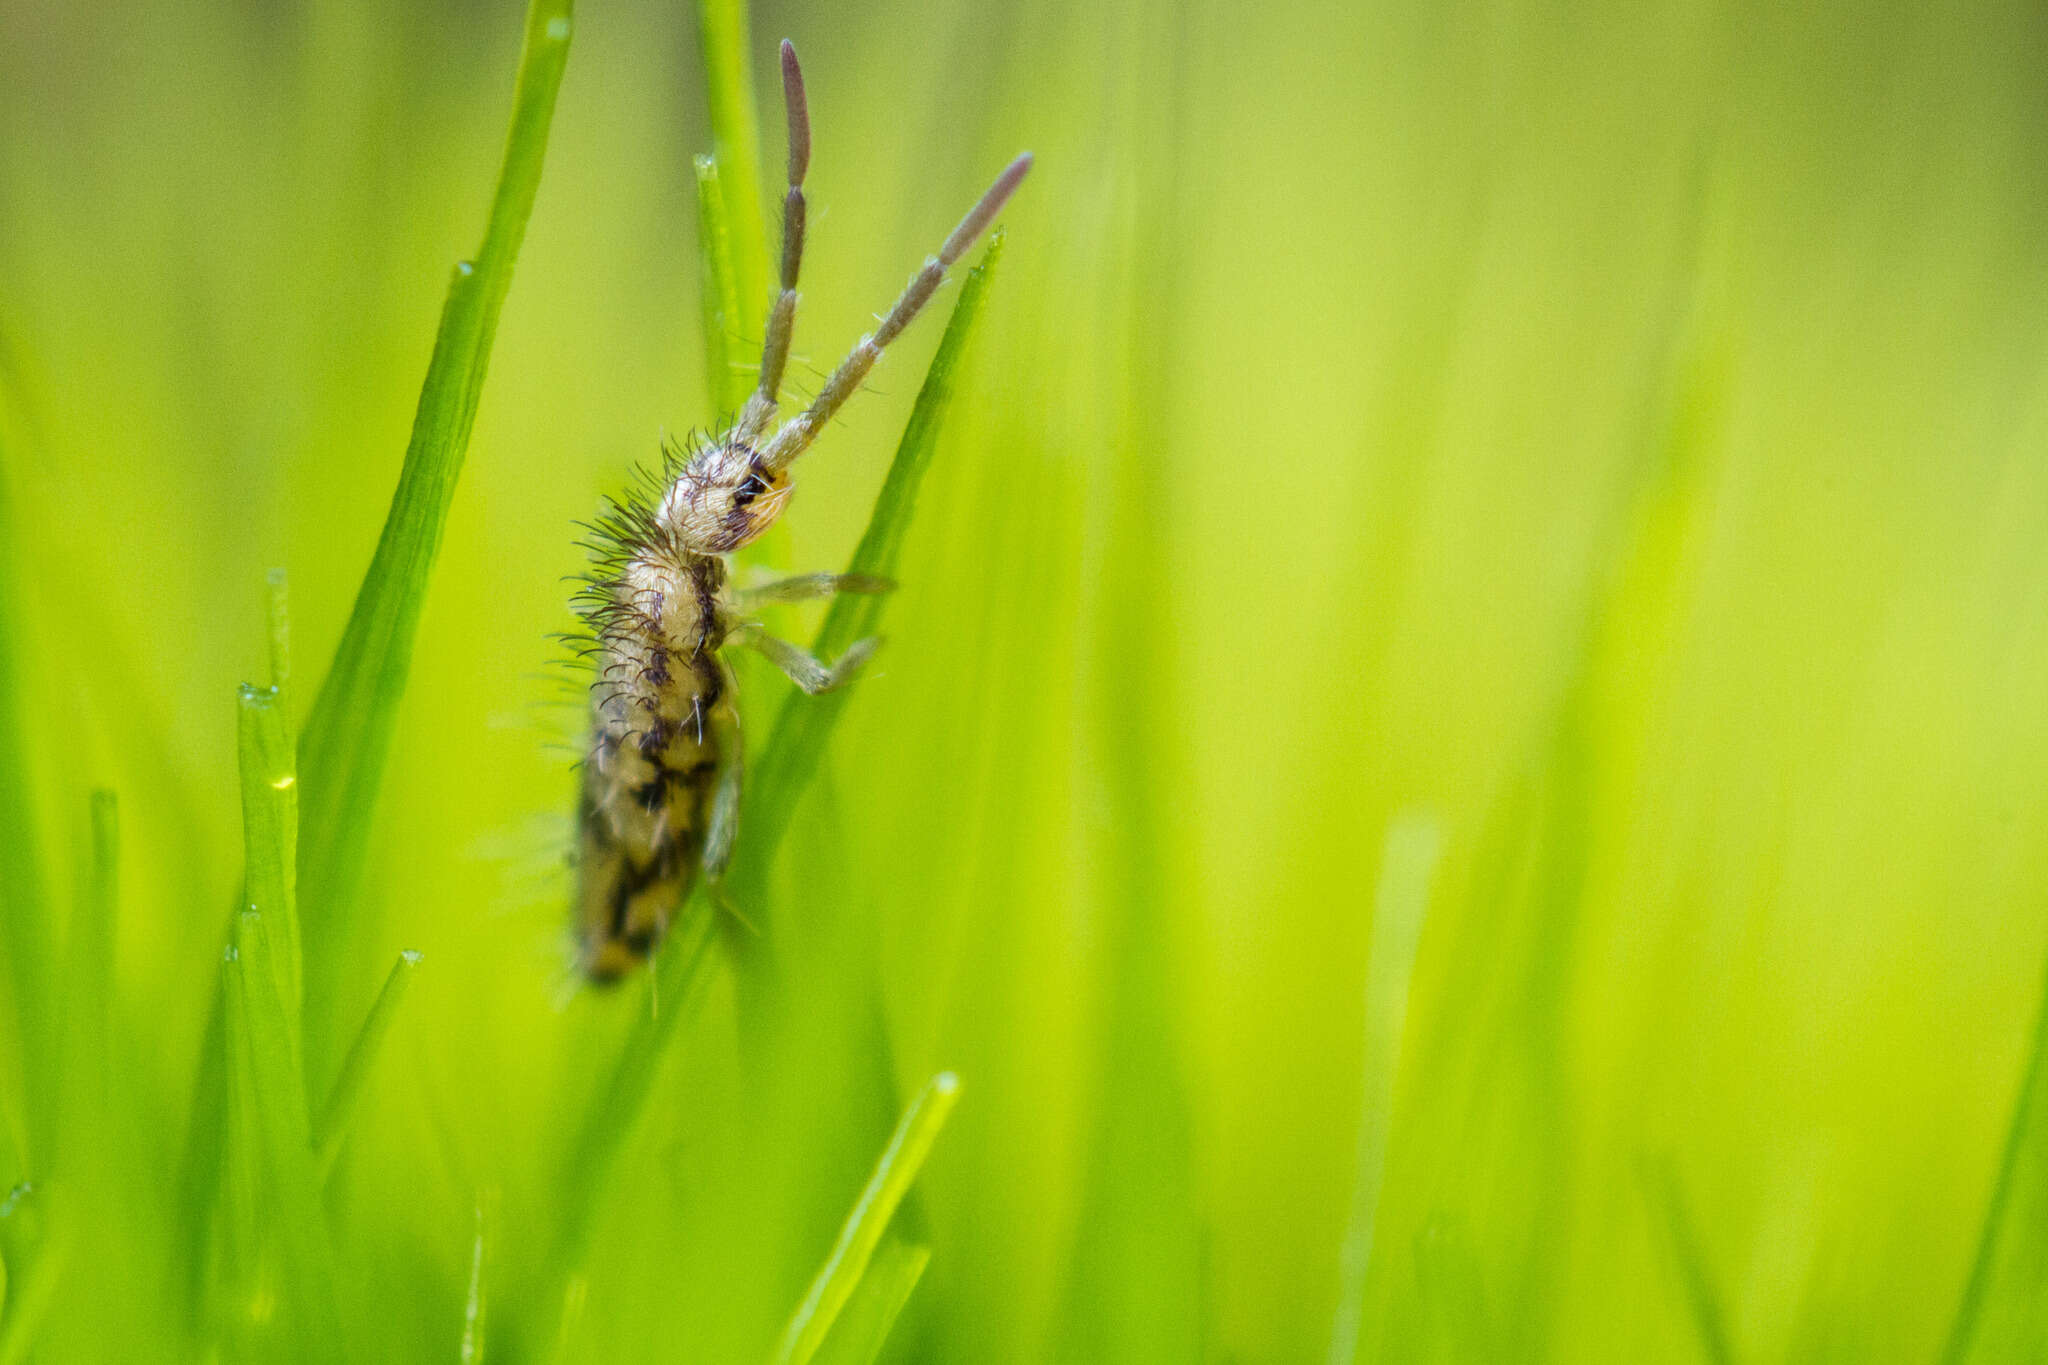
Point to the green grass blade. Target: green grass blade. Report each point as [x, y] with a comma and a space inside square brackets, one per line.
[849, 1258]
[31, 1289]
[267, 741]
[270, 832]
[865, 1322]
[199, 1174]
[677, 983]
[736, 146]
[279, 1179]
[10, 1162]
[25, 932]
[331, 1127]
[235, 1263]
[575, 1297]
[88, 985]
[276, 1191]
[474, 1323]
[1406, 870]
[797, 743]
[718, 294]
[1668, 1201]
[2002, 1313]
[348, 734]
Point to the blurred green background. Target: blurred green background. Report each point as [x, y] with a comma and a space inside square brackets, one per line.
[1599, 442]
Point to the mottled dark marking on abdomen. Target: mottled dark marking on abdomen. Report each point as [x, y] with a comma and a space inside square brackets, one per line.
[654, 759]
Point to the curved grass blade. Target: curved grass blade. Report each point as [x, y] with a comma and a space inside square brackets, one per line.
[332, 1125]
[348, 734]
[850, 1256]
[793, 750]
[865, 1322]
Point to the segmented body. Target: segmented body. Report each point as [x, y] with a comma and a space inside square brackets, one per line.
[662, 718]
[657, 716]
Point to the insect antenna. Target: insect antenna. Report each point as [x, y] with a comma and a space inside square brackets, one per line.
[782, 316]
[796, 435]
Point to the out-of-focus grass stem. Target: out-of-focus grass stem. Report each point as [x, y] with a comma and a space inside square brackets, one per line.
[2015, 1207]
[1406, 869]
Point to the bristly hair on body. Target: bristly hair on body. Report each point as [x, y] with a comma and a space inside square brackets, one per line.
[660, 777]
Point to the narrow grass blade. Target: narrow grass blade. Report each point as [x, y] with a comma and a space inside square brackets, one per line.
[348, 734]
[270, 833]
[473, 1317]
[805, 723]
[718, 294]
[276, 1186]
[331, 1127]
[736, 145]
[1135, 1282]
[235, 1263]
[865, 1322]
[88, 984]
[206, 1146]
[279, 1179]
[1406, 870]
[850, 1255]
[2002, 1312]
[1667, 1199]
[1457, 1315]
[575, 1297]
[29, 1294]
[25, 932]
[678, 980]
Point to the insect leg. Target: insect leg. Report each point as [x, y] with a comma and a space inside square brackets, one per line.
[802, 667]
[722, 829]
[760, 409]
[804, 587]
[796, 435]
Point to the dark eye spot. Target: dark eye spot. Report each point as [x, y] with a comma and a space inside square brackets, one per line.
[751, 487]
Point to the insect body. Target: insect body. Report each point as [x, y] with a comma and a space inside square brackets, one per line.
[661, 780]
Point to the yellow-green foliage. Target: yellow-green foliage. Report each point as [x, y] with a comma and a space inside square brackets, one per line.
[1552, 493]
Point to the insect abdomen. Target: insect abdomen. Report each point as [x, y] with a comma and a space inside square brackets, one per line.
[659, 707]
